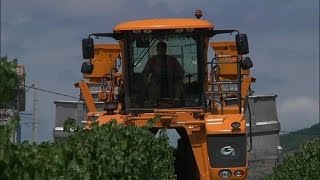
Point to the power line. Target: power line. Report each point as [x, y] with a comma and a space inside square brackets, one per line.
[32, 85]
[52, 92]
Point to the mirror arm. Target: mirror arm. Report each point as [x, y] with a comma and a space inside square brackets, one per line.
[215, 32]
[116, 36]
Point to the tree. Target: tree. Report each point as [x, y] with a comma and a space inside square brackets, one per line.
[9, 80]
[305, 164]
[110, 151]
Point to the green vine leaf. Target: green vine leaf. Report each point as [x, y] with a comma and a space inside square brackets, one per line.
[111, 151]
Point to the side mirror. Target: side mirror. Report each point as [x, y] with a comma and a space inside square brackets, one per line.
[242, 44]
[87, 48]
[246, 63]
[87, 68]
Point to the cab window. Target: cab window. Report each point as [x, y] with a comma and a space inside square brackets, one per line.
[164, 70]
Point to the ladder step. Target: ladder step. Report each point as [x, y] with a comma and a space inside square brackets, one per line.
[222, 92]
[224, 82]
[225, 62]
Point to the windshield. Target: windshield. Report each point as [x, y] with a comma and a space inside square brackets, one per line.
[163, 70]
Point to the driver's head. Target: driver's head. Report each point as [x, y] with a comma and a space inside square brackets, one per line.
[161, 48]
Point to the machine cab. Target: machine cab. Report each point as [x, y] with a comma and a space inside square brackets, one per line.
[164, 62]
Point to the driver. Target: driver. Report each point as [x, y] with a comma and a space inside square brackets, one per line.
[164, 75]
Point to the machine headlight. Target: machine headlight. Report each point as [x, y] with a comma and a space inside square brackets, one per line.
[239, 173]
[225, 174]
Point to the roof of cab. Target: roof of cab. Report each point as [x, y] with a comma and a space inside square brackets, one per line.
[172, 23]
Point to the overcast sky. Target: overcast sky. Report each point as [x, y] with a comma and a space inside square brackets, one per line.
[46, 36]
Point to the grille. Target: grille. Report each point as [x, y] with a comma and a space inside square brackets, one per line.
[227, 150]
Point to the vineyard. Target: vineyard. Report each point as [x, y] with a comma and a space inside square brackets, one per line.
[304, 164]
[111, 151]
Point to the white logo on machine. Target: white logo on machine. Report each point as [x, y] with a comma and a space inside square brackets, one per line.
[228, 151]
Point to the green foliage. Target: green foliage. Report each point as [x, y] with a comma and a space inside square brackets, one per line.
[69, 125]
[9, 80]
[5, 132]
[111, 151]
[292, 141]
[305, 164]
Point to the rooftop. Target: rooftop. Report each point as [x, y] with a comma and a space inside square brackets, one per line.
[163, 23]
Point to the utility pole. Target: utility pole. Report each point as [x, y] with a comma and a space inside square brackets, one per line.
[34, 118]
[18, 96]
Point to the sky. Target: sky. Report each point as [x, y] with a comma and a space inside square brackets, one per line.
[46, 37]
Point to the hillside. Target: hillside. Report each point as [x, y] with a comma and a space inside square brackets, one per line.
[292, 141]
